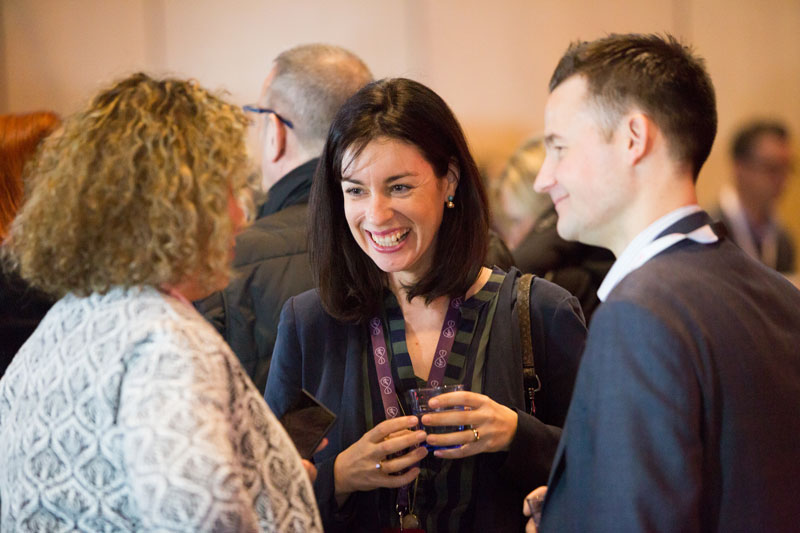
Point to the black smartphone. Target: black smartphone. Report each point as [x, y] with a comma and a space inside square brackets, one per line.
[307, 421]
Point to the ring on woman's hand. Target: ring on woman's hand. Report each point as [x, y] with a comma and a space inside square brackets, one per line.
[378, 465]
[477, 435]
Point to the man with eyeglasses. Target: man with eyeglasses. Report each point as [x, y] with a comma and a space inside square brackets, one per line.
[301, 94]
[762, 162]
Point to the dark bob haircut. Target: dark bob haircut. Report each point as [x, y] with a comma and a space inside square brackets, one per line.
[350, 284]
[657, 74]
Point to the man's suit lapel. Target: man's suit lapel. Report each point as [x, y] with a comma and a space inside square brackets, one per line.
[559, 461]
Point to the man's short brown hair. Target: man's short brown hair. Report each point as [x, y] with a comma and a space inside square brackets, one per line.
[657, 74]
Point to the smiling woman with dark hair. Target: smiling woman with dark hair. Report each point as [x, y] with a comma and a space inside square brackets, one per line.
[398, 233]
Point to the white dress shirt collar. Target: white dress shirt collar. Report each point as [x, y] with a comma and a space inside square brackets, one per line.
[646, 245]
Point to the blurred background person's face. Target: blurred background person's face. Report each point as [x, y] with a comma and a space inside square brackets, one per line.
[761, 176]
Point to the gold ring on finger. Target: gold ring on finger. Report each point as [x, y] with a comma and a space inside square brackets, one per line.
[477, 434]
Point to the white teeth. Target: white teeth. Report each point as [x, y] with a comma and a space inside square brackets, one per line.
[390, 239]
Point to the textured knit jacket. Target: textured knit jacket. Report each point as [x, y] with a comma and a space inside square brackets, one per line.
[127, 412]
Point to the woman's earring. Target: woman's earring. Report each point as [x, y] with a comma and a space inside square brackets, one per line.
[449, 203]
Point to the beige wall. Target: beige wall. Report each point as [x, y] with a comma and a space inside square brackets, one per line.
[489, 60]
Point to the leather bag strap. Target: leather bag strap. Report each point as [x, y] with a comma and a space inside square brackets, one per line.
[523, 308]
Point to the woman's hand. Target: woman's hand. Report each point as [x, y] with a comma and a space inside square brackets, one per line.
[364, 465]
[311, 470]
[532, 506]
[493, 426]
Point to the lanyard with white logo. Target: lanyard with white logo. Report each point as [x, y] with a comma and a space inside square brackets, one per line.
[384, 369]
[408, 520]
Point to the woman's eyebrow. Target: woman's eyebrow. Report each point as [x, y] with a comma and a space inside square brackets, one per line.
[387, 180]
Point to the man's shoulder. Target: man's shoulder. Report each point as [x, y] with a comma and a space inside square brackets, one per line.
[666, 275]
[273, 236]
[293, 216]
[696, 276]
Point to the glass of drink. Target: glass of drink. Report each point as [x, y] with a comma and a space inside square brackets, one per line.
[418, 400]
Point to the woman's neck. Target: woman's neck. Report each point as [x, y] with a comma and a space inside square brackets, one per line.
[423, 321]
[398, 286]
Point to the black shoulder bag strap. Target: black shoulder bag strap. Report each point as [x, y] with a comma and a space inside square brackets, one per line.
[523, 308]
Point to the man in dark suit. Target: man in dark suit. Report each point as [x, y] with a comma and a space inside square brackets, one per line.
[301, 94]
[685, 410]
[762, 162]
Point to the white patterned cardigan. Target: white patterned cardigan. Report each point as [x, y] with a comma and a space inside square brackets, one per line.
[128, 412]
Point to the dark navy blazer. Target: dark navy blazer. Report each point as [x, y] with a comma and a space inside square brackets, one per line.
[686, 413]
[324, 356]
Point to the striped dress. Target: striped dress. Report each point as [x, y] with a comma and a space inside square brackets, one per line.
[444, 494]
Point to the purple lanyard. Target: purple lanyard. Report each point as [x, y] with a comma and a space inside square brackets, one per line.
[436, 375]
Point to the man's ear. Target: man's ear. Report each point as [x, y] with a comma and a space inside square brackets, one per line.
[453, 175]
[638, 132]
[276, 138]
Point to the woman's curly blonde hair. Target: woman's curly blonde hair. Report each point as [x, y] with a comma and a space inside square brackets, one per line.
[134, 191]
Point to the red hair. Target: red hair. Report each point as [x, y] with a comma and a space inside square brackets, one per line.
[20, 135]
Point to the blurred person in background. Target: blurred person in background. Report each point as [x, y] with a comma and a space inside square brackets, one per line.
[527, 221]
[21, 307]
[763, 161]
[301, 94]
[400, 229]
[515, 205]
[125, 410]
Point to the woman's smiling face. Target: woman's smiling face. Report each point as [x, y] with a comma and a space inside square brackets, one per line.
[394, 203]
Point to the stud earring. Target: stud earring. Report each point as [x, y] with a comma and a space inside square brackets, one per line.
[449, 203]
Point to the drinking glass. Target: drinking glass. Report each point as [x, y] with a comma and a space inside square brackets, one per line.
[418, 400]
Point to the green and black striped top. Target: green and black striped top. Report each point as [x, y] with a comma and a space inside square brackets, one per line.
[444, 495]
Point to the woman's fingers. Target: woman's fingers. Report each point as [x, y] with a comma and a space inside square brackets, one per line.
[459, 453]
[457, 399]
[456, 438]
[311, 470]
[532, 506]
[393, 425]
[393, 445]
[393, 482]
[321, 446]
[534, 499]
[490, 426]
[398, 464]
[455, 417]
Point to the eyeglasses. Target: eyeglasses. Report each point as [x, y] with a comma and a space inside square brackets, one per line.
[252, 108]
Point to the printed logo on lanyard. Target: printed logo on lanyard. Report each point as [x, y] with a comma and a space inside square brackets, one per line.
[436, 376]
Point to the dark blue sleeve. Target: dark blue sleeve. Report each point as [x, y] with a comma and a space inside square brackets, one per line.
[285, 377]
[631, 455]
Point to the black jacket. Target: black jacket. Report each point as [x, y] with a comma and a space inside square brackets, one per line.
[21, 310]
[271, 264]
[577, 267]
